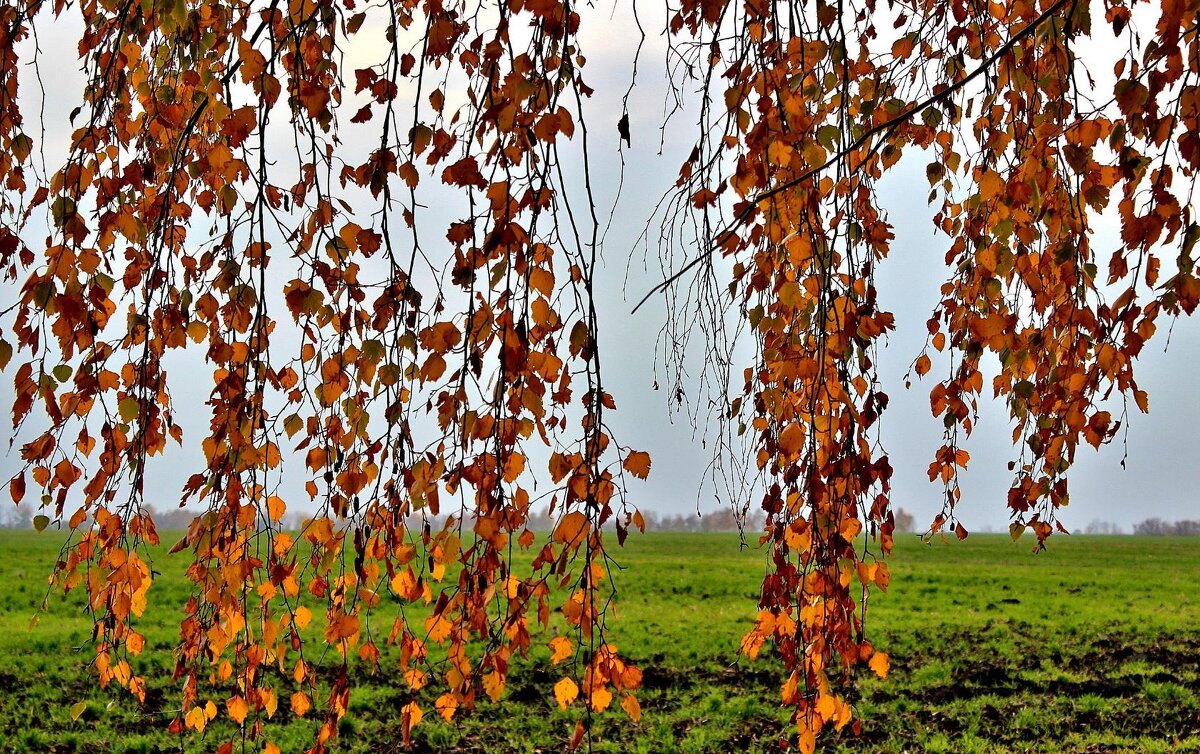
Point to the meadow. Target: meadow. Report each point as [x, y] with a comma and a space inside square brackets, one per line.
[1090, 647]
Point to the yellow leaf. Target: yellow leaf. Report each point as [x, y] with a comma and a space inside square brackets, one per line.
[276, 508]
[437, 627]
[879, 663]
[565, 692]
[78, 709]
[404, 584]
[850, 529]
[446, 705]
[238, 709]
[631, 707]
[196, 330]
[790, 688]
[512, 587]
[601, 698]
[779, 153]
[990, 185]
[195, 719]
[300, 703]
[341, 626]
[416, 678]
[561, 649]
[807, 742]
[826, 707]
[493, 685]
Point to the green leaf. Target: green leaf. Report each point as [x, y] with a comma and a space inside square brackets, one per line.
[41, 522]
[62, 209]
[828, 135]
[21, 146]
[934, 172]
[129, 409]
[292, 425]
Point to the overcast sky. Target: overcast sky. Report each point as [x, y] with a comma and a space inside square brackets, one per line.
[1160, 477]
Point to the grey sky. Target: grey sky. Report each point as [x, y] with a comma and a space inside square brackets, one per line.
[1160, 478]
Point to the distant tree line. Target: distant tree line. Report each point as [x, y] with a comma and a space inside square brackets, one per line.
[1156, 527]
[15, 517]
[721, 520]
[1103, 527]
[725, 519]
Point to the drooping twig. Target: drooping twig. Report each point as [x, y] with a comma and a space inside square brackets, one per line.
[748, 209]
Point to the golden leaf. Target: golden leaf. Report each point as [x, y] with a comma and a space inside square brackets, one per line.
[565, 692]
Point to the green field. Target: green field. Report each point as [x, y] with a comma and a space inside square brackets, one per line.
[1093, 646]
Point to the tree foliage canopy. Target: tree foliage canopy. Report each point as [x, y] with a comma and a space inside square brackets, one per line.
[234, 184]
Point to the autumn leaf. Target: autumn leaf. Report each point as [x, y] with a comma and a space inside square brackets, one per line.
[410, 715]
[465, 173]
[791, 439]
[275, 508]
[446, 706]
[879, 663]
[630, 704]
[493, 685]
[638, 464]
[571, 529]
[237, 708]
[300, 703]
[599, 699]
[16, 488]
[565, 691]
[560, 648]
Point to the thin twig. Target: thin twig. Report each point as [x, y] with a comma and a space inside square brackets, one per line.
[748, 209]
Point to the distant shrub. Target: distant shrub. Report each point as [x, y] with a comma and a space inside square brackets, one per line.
[1156, 527]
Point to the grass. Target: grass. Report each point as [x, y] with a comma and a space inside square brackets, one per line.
[1093, 646]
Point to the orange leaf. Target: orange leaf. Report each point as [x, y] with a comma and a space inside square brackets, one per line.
[576, 737]
[879, 663]
[300, 703]
[493, 685]
[565, 692]
[561, 648]
[276, 508]
[600, 699]
[238, 709]
[638, 464]
[16, 487]
[923, 365]
[791, 439]
[446, 705]
[630, 704]
[571, 529]
[410, 715]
